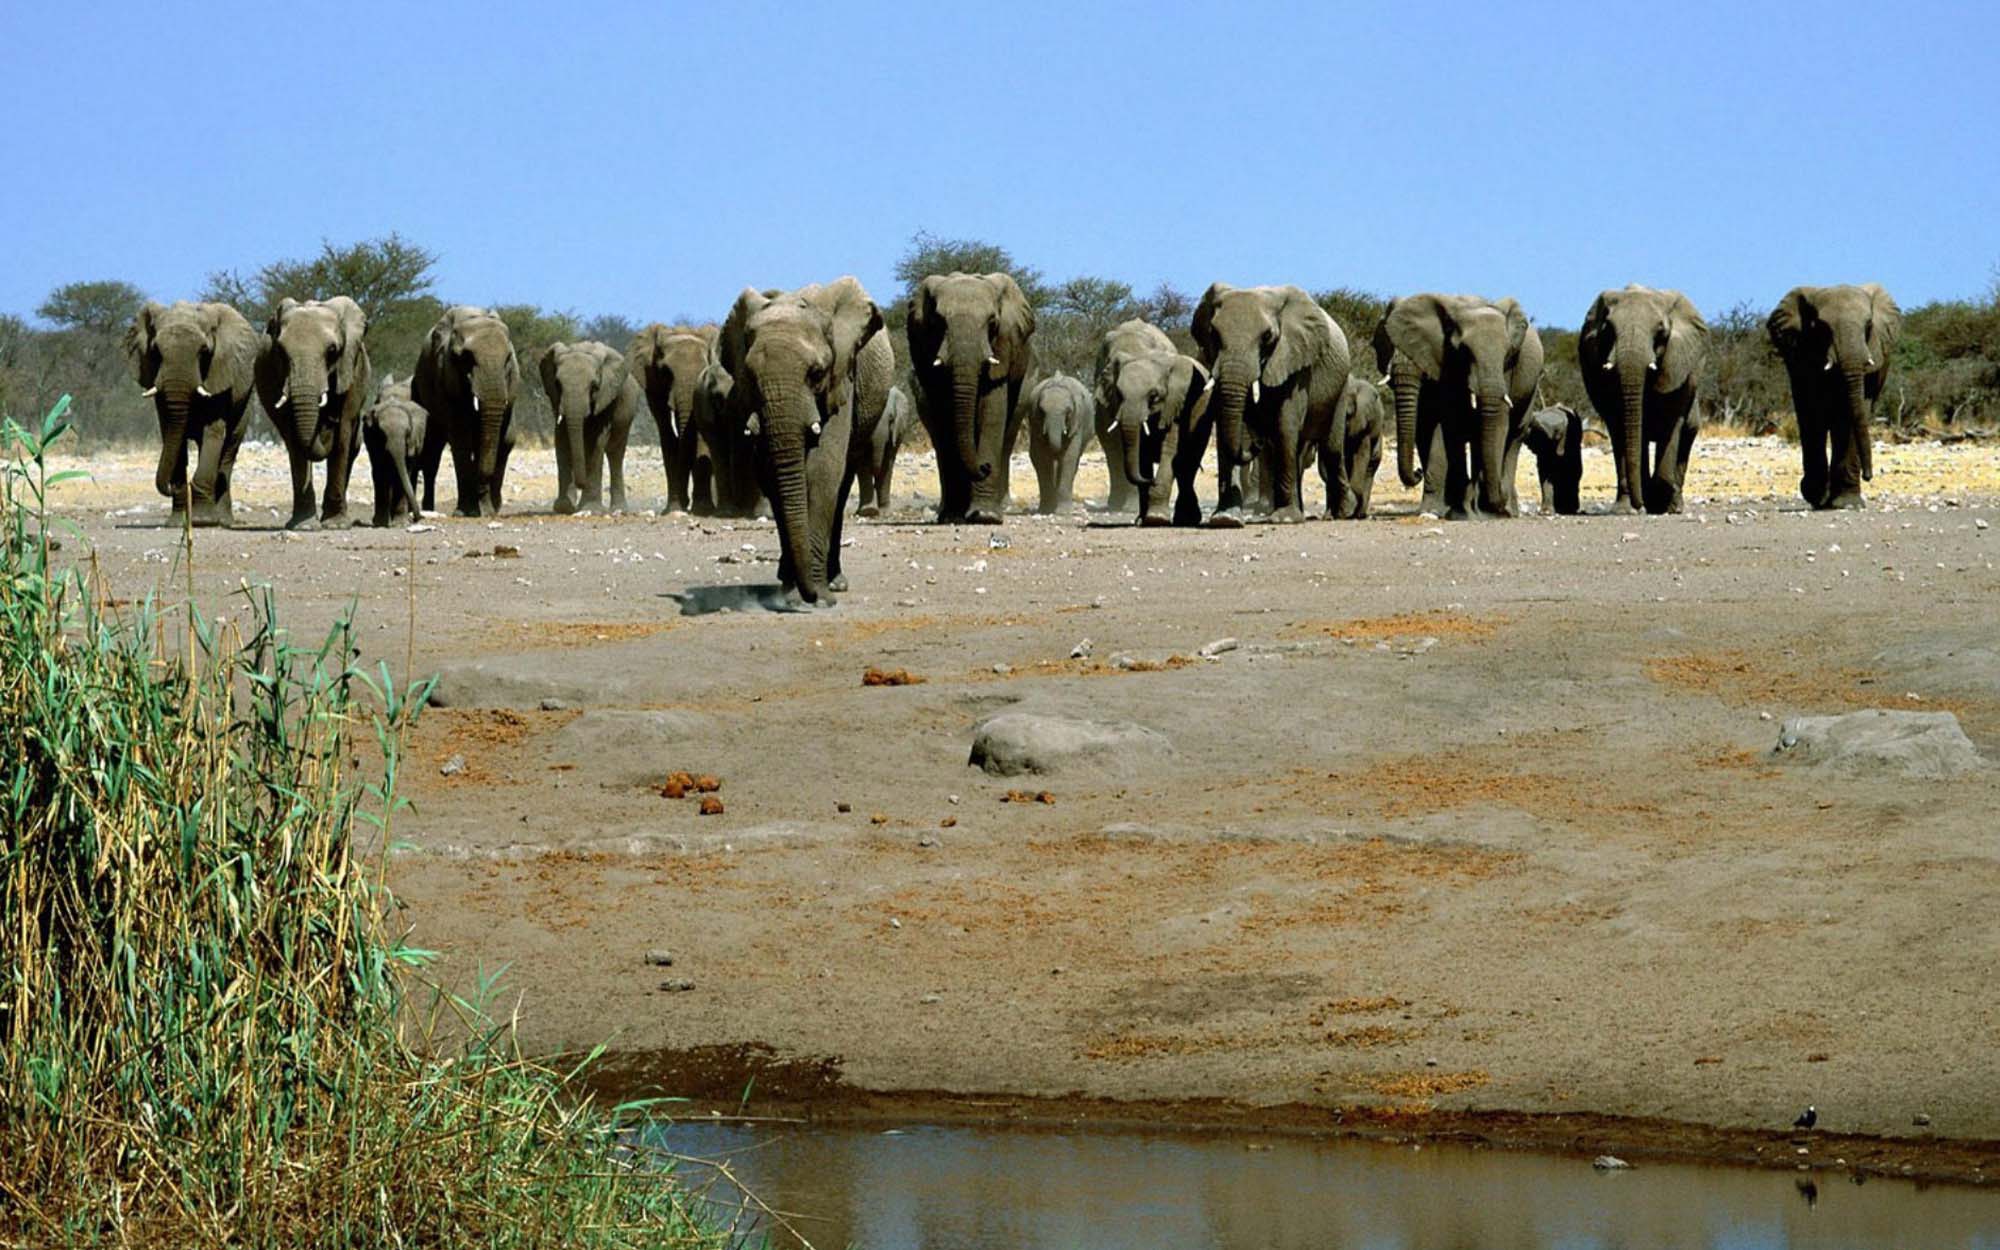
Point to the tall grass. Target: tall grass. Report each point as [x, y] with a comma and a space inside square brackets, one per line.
[202, 1010]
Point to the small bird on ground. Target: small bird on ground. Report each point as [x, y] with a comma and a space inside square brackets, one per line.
[1807, 1118]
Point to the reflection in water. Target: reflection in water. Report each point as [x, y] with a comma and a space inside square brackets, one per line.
[985, 1189]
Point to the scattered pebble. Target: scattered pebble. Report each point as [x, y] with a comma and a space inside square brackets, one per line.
[1920, 1120]
[678, 986]
[554, 705]
[1080, 651]
[1209, 650]
[928, 999]
[895, 923]
[660, 958]
[1610, 1163]
[452, 767]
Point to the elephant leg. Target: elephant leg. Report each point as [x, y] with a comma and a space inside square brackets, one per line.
[1283, 461]
[1185, 461]
[1045, 479]
[1682, 454]
[677, 457]
[836, 577]
[1843, 476]
[1119, 497]
[1457, 474]
[1510, 465]
[1156, 502]
[465, 473]
[231, 434]
[590, 474]
[493, 488]
[1662, 491]
[565, 472]
[304, 512]
[614, 455]
[339, 468]
[701, 491]
[1436, 462]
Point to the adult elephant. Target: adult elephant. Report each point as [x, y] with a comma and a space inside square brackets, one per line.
[197, 362]
[1352, 452]
[970, 352]
[1462, 371]
[668, 361]
[1280, 364]
[313, 379]
[467, 379]
[796, 362]
[1836, 342]
[1060, 419]
[1152, 405]
[595, 398]
[899, 418]
[392, 431]
[1641, 352]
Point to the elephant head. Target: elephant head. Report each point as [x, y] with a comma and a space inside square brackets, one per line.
[1145, 394]
[667, 361]
[968, 334]
[315, 359]
[791, 358]
[191, 359]
[476, 362]
[1259, 339]
[1555, 436]
[581, 379]
[1844, 333]
[1634, 343]
[1482, 350]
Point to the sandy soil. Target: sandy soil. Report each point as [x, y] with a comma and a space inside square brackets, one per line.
[1475, 817]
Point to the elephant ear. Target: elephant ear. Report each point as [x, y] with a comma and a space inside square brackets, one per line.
[852, 320]
[353, 359]
[551, 384]
[1686, 350]
[643, 352]
[139, 342]
[1524, 354]
[1307, 339]
[1193, 378]
[1017, 319]
[278, 315]
[1416, 325]
[1203, 325]
[232, 365]
[611, 376]
[1888, 317]
[1787, 322]
[926, 328]
[735, 329]
[1105, 394]
[1590, 349]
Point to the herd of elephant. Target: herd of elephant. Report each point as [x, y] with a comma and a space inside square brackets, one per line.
[789, 402]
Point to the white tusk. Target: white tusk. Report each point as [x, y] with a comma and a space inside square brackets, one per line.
[991, 359]
[752, 426]
[813, 429]
[1871, 362]
[283, 399]
[322, 399]
[1256, 390]
[1829, 364]
[149, 392]
[1209, 385]
[1610, 363]
[1473, 396]
[939, 362]
[1384, 381]
[203, 391]
[1652, 366]
[475, 403]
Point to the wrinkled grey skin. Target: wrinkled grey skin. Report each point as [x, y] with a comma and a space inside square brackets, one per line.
[1352, 452]
[1152, 407]
[873, 369]
[899, 420]
[198, 363]
[1060, 418]
[668, 362]
[1836, 342]
[595, 399]
[1555, 436]
[795, 360]
[969, 358]
[1462, 371]
[467, 379]
[1279, 364]
[314, 380]
[1642, 352]
[393, 432]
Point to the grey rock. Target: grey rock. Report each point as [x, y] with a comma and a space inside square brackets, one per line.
[1013, 743]
[1212, 649]
[1921, 1120]
[679, 986]
[660, 959]
[555, 705]
[1610, 1163]
[928, 999]
[499, 683]
[1926, 746]
[452, 767]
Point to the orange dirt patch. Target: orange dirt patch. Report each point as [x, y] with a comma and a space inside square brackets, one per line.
[1439, 624]
[1427, 1084]
[1355, 1007]
[489, 739]
[1741, 679]
[1369, 1036]
[890, 677]
[533, 635]
[1418, 785]
[862, 631]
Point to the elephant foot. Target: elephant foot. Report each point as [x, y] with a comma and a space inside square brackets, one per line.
[306, 522]
[983, 516]
[1227, 519]
[868, 510]
[1844, 501]
[837, 582]
[338, 521]
[1290, 514]
[1457, 514]
[1623, 507]
[1155, 519]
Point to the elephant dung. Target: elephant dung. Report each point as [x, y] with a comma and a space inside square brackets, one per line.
[1013, 743]
[1927, 746]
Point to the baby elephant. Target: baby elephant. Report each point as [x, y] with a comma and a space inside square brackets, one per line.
[1061, 418]
[393, 432]
[899, 417]
[1555, 435]
[1352, 451]
[595, 398]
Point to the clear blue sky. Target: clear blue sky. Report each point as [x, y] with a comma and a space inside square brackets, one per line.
[652, 159]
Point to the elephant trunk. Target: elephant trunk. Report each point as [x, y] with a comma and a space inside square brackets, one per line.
[493, 406]
[1232, 385]
[1493, 421]
[1858, 417]
[173, 404]
[965, 380]
[786, 415]
[569, 428]
[1632, 375]
[1135, 469]
[1404, 383]
[313, 434]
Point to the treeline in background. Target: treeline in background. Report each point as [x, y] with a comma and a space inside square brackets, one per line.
[1945, 384]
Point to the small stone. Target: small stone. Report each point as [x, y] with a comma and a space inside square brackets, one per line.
[660, 958]
[1628, 537]
[1610, 1163]
[1056, 971]
[843, 808]
[1764, 716]
[710, 805]
[895, 923]
[452, 767]
[948, 822]
[928, 999]
[951, 799]
[1430, 1063]
[680, 986]
[1920, 1120]
[1080, 651]
[1122, 662]
[1979, 523]
[554, 705]
[1003, 669]
[1210, 650]
[927, 841]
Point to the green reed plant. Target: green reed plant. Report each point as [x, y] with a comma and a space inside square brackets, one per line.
[208, 1034]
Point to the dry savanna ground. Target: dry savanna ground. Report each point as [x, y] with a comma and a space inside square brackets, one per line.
[1476, 815]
